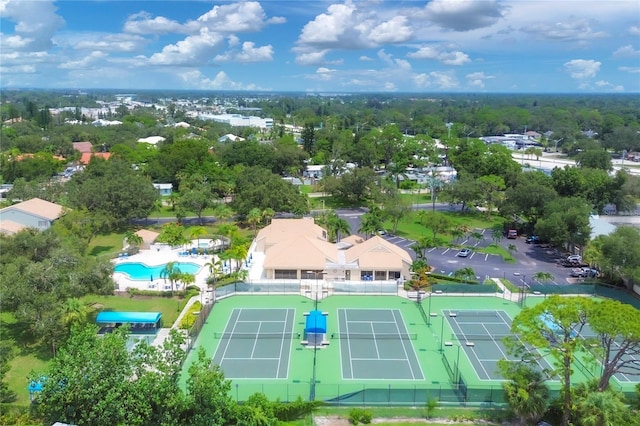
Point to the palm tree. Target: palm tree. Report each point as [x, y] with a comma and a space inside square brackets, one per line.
[133, 239]
[606, 408]
[525, 392]
[215, 268]
[223, 212]
[196, 232]
[456, 233]
[74, 312]
[467, 274]
[543, 277]
[337, 226]
[512, 249]
[369, 224]
[254, 217]
[477, 236]
[187, 279]
[496, 235]
[421, 246]
[268, 214]
[172, 273]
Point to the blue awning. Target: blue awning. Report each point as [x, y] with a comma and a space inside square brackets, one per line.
[109, 317]
[316, 323]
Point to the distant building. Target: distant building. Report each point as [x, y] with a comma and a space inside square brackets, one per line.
[87, 156]
[230, 138]
[237, 120]
[164, 189]
[152, 140]
[34, 213]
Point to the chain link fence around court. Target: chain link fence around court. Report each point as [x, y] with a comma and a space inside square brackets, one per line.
[593, 289]
[365, 287]
[263, 287]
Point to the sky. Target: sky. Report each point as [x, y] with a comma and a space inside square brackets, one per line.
[466, 46]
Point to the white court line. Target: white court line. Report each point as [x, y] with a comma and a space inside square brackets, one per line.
[404, 349]
[375, 341]
[224, 353]
[472, 351]
[382, 359]
[253, 359]
[255, 341]
[282, 343]
[346, 324]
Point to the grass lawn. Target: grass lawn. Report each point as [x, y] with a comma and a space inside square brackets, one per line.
[30, 356]
[169, 307]
[106, 245]
[410, 228]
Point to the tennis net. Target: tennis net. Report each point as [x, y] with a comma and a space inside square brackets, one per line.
[375, 336]
[472, 337]
[256, 336]
[474, 314]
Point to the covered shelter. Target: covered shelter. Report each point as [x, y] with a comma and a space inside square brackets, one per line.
[315, 329]
[140, 322]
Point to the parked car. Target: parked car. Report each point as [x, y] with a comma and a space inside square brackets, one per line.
[584, 272]
[532, 239]
[465, 252]
[512, 234]
[381, 232]
[574, 258]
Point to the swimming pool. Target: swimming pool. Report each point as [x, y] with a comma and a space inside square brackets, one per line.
[141, 272]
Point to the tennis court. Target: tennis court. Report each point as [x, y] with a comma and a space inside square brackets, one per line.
[479, 333]
[256, 343]
[375, 344]
[629, 373]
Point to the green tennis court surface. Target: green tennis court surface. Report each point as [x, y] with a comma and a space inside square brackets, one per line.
[480, 334]
[375, 344]
[256, 343]
[379, 350]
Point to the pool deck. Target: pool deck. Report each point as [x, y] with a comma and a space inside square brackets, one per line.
[159, 256]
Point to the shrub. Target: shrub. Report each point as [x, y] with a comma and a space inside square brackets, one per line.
[188, 318]
[360, 415]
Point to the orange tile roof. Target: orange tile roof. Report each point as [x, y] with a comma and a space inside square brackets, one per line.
[86, 156]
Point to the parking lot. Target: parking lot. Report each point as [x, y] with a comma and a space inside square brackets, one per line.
[530, 258]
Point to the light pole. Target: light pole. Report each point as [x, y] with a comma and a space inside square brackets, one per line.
[457, 374]
[441, 334]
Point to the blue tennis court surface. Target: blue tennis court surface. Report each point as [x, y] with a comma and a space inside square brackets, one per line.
[375, 344]
[256, 344]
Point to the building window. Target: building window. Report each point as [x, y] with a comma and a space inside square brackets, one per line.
[285, 274]
[381, 275]
[42, 224]
[394, 275]
[366, 275]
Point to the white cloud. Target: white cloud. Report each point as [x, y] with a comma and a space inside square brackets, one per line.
[634, 30]
[582, 68]
[106, 42]
[249, 53]
[626, 52]
[464, 15]
[196, 80]
[394, 31]
[477, 79]
[436, 53]
[365, 58]
[235, 18]
[325, 73]
[609, 86]
[84, 62]
[436, 80]
[193, 50]
[573, 30]
[35, 21]
[631, 70]
[143, 23]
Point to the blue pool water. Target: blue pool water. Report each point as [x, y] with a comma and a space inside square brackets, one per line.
[140, 271]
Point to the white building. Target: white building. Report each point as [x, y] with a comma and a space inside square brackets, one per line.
[237, 120]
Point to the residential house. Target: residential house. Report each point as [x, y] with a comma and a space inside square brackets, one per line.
[300, 249]
[230, 138]
[164, 189]
[34, 213]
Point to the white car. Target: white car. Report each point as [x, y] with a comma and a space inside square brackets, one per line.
[381, 232]
[574, 258]
[465, 252]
